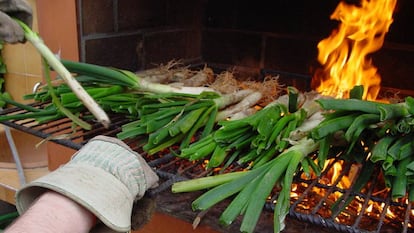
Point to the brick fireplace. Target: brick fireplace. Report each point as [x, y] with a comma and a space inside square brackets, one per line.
[277, 35]
[249, 38]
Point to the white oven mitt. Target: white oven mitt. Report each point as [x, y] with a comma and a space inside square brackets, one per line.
[10, 30]
[105, 176]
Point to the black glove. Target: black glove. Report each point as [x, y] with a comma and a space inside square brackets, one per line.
[10, 30]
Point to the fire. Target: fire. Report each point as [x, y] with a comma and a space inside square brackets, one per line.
[343, 55]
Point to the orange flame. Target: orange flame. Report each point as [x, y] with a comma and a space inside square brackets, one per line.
[343, 54]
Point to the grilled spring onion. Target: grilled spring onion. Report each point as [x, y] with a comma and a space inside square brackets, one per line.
[172, 117]
[94, 73]
[256, 138]
[387, 134]
[386, 129]
[54, 62]
[248, 137]
[250, 189]
[56, 102]
[68, 100]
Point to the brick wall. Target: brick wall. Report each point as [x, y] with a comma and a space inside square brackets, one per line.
[283, 35]
[251, 36]
[138, 34]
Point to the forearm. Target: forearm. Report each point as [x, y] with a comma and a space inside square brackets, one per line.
[105, 176]
[53, 212]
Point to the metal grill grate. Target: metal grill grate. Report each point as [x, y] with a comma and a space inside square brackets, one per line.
[311, 203]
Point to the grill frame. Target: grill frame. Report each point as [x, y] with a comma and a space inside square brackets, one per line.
[172, 169]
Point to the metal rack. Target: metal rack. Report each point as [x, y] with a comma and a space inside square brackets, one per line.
[311, 204]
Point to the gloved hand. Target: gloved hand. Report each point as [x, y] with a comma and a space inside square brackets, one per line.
[105, 176]
[10, 30]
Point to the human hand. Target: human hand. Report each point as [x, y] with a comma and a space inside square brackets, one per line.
[10, 30]
[105, 176]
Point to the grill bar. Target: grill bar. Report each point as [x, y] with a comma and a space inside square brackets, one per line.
[365, 205]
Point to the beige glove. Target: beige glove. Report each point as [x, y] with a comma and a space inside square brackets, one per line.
[105, 176]
[10, 31]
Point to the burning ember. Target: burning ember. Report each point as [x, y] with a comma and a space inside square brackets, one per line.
[327, 194]
[344, 54]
